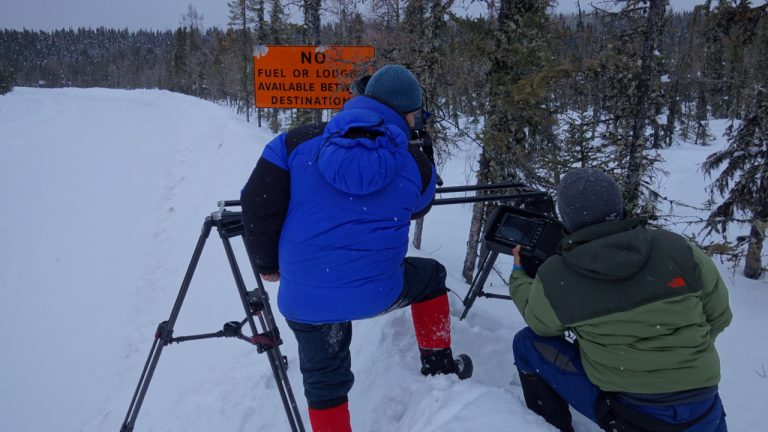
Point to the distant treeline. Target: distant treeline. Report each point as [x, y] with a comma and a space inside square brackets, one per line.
[701, 55]
[206, 64]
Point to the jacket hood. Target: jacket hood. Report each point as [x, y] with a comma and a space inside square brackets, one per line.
[608, 251]
[363, 147]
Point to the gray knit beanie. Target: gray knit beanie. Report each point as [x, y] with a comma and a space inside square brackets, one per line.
[397, 87]
[587, 197]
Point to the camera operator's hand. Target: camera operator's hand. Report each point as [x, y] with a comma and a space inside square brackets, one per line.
[516, 254]
[271, 277]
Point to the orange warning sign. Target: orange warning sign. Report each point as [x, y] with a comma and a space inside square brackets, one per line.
[316, 77]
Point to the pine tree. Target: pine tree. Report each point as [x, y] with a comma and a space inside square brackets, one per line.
[218, 72]
[276, 34]
[238, 19]
[277, 23]
[6, 79]
[256, 18]
[744, 181]
[633, 86]
[425, 21]
[198, 58]
[311, 36]
[311, 29]
[181, 75]
[515, 120]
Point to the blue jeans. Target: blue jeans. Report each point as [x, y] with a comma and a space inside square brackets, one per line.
[558, 363]
[324, 357]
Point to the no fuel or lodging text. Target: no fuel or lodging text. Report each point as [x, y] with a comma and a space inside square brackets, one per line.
[303, 77]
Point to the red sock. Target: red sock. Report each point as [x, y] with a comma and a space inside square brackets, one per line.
[334, 419]
[432, 322]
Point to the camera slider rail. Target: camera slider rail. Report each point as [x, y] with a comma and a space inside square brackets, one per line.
[514, 192]
[520, 191]
[256, 306]
[541, 223]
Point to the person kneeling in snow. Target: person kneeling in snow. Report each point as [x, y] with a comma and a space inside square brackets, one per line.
[327, 212]
[645, 306]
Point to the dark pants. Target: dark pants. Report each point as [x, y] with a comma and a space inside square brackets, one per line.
[324, 356]
[557, 363]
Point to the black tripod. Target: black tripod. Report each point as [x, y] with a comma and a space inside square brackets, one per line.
[487, 262]
[255, 303]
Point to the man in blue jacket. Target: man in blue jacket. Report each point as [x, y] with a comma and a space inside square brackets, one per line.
[327, 212]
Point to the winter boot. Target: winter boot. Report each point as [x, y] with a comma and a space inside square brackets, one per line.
[441, 361]
[544, 401]
[334, 419]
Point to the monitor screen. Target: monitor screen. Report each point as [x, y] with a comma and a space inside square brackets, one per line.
[517, 229]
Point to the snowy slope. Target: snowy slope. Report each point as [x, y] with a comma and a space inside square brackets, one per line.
[103, 194]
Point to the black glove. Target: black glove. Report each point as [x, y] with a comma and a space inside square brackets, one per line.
[267, 270]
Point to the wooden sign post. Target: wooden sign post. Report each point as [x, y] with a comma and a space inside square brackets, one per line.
[308, 77]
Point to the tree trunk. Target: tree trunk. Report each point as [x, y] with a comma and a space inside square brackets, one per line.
[641, 104]
[417, 230]
[428, 20]
[753, 268]
[475, 228]
[497, 125]
[674, 102]
[312, 36]
[702, 113]
[246, 60]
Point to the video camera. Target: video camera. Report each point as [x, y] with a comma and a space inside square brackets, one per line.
[527, 218]
[537, 234]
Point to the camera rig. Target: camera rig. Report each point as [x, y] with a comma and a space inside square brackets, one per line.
[522, 216]
[526, 218]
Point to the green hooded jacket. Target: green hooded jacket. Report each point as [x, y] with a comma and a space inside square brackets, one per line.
[644, 304]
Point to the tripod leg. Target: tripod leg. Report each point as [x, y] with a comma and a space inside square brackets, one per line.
[477, 285]
[275, 358]
[472, 293]
[130, 416]
[164, 333]
[269, 317]
[277, 355]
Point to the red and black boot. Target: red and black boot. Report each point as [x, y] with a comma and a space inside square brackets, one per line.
[432, 322]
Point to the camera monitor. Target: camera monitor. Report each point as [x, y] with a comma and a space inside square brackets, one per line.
[537, 234]
[519, 230]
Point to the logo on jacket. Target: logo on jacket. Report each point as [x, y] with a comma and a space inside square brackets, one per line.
[677, 282]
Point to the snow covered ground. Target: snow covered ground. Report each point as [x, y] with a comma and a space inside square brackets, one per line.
[102, 196]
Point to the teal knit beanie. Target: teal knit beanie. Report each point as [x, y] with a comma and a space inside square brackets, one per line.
[397, 87]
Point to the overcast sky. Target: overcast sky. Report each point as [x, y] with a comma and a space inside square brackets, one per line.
[166, 14]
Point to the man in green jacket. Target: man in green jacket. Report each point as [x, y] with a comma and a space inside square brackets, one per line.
[645, 307]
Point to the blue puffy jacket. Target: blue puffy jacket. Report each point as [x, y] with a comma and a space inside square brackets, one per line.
[337, 202]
